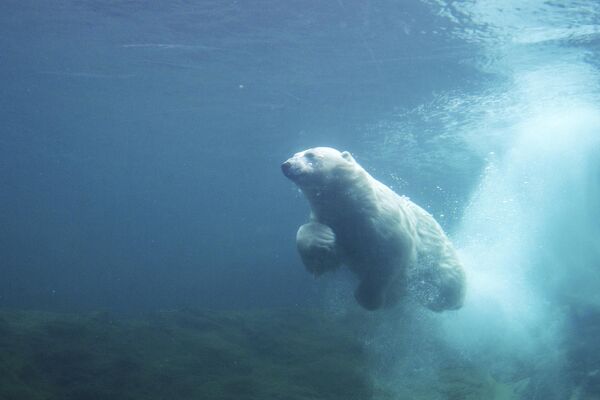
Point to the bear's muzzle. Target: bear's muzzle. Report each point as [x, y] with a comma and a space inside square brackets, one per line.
[286, 168]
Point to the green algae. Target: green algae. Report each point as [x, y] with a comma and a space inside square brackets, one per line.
[179, 355]
[191, 354]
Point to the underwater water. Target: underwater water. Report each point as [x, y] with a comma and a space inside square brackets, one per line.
[147, 233]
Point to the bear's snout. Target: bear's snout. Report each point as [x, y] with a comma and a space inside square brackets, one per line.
[286, 167]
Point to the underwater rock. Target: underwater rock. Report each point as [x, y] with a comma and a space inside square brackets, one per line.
[182, 355]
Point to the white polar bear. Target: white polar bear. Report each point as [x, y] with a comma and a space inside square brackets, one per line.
[392, 245]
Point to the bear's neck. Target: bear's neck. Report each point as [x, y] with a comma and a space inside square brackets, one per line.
[352, 195]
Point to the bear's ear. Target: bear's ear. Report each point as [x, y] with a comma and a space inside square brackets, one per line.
[347, 156]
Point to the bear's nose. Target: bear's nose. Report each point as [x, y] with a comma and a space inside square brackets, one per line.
[286, 167]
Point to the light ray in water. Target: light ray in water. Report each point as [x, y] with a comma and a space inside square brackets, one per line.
[525, 234]
[529, 236]
[169, 46]
[87, 75]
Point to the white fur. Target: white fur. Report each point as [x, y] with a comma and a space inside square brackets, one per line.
[392, 245]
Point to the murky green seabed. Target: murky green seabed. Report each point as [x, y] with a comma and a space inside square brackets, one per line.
[212, 355]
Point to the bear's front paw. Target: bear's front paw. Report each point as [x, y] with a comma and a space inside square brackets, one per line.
[317, 248]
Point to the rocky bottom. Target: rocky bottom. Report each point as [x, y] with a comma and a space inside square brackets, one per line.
[266, 354]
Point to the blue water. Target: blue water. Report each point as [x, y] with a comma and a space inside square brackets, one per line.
[140, 146]
[141, 142]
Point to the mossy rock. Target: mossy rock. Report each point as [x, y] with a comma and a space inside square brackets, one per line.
[181, 354]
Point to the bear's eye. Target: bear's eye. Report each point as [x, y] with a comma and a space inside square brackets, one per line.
[310, 155]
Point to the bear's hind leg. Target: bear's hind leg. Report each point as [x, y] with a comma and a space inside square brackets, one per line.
[370, 293]
[440, 287]
[317, 247]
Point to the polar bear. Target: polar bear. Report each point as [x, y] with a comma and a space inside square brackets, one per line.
[394, 246]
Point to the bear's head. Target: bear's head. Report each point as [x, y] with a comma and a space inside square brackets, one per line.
[319, 168]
